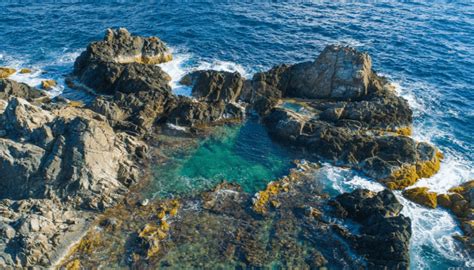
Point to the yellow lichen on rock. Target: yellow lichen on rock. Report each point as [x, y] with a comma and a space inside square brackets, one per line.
[265, 197]
[421, 195]
[404, 131]
[460, 200]
[6, 72]
[25, 70]
[88, 243]
[73, 265]
[74, 103]
[48, 84]
[407, 175]
[151, 235]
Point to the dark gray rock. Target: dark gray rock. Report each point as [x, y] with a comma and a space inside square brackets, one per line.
[384, 237]
[213, 86]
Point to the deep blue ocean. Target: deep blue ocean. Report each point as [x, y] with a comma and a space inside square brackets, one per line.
[426, 49]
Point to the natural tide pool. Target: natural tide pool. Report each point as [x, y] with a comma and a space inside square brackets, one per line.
[243, 154]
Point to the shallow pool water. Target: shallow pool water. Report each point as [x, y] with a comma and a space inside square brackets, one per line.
[242, 154]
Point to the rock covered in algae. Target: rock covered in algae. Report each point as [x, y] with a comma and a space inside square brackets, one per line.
[5, 72]
[422, 195]
[460, 200]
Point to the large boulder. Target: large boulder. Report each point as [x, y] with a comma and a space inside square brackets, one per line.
[122, 62]
[194, 113]
[135, 112]
[338, 73]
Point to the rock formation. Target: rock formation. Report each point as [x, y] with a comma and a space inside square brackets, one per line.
[107, 66]
[352, 117]
[62, 159]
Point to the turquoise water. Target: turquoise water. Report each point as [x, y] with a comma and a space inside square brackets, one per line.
[425, 48]
[242, 154]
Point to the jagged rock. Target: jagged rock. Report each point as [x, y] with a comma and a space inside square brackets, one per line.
[266, 88]
[21, 119]
[37, 231]
[460, 200]
[79, 155]
[338, 73]
[122, 62]
[135, 112]
[18, 164]
[397, 161]
[384, 237]
[213, 86]
[12, 88]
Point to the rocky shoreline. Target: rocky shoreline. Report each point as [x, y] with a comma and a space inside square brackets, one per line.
[63, 163]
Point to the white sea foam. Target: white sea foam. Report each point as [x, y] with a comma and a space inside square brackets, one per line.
[432, 229]
[182, 65]
[224, 66]
[453, 172]
[177, 68]
[346, 180]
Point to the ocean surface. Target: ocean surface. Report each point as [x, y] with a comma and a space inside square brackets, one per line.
[427, 50]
